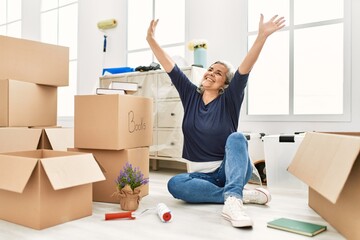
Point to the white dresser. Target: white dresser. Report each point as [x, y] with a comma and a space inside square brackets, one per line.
[168, 111]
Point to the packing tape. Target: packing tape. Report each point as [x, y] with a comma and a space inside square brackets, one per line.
[107, 24]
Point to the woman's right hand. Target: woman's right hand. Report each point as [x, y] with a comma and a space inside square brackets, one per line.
[164, 59]
[151, 29]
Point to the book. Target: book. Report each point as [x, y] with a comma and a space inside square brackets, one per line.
[127, 86]
[102, 91]
[296, 226]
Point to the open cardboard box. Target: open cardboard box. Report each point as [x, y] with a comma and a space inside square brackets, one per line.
[113, 121]
[43, 188]
[13, 139]
[329, 163]
[112, 161]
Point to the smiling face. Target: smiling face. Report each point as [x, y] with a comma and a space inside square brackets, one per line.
[214, 78]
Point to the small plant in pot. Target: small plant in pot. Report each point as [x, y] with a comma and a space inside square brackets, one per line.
[128, 185]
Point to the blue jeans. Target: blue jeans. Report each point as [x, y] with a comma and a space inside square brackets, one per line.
[228, 180]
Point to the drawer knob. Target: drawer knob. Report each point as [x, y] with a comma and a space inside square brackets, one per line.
[172, 144]
[172, 114]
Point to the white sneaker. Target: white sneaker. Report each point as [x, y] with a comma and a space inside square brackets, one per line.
[234, 211]
[257, 196]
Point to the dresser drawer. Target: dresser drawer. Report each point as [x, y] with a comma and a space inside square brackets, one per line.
[166, 88]
[170, 143]
[169, 114]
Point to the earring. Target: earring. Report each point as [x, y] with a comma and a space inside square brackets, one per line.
[221, 90]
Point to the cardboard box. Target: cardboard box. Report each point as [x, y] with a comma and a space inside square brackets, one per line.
[34, 62]
[112, 161]
[330, 165]
[56, 138]
[279, 151]
[112, 122]
[25, 104]
[43, 188]
[13, 139]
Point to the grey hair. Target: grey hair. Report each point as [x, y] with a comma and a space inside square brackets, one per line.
[229, 76]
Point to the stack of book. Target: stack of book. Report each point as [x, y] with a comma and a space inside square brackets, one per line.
[118, 88]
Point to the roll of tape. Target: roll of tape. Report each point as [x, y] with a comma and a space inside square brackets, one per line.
[107, 24]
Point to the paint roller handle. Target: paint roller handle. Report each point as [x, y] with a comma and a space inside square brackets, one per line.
[111, 216]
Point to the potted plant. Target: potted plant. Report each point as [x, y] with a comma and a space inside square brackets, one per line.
[128, 185]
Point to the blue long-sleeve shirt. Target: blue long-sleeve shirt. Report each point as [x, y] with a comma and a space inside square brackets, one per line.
[206, 127]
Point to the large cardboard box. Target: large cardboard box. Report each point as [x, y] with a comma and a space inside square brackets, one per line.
[330, 165]
[112, 122]
[34, 62]
[14, 139]
[112, 161]
[43, 188]
[25, 104]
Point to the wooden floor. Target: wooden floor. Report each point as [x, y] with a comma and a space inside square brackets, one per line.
[190, 221]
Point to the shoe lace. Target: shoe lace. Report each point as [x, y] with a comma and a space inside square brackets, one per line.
[252, 196]
[236, 207]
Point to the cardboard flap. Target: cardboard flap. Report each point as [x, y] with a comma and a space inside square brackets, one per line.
[70, 171]
[324, 161]
[60, 138]
[15, 172]
[19, 139]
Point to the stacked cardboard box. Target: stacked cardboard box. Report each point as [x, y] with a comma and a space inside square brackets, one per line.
[30, 73]
[116, 129]
[47, 180]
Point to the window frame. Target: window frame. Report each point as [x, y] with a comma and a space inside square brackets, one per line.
[291, 117]
[71, 88]
[164, 46]
[7, 22]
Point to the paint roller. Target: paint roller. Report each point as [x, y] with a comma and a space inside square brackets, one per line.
[162, 210]
[104, 25]
[107, 24]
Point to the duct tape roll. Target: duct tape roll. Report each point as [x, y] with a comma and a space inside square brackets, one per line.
[107, 24]
[164, 212]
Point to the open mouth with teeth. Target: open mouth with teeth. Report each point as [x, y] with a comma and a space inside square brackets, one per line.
[209, 79]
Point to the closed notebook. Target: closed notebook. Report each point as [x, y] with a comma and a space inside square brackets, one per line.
[295, 226]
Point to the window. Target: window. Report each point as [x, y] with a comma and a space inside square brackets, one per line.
[171, 15]
[10, 18]
[59, 27]
[301, 72]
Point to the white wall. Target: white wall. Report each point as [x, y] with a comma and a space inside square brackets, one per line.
[91, 58]
[219, 23]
